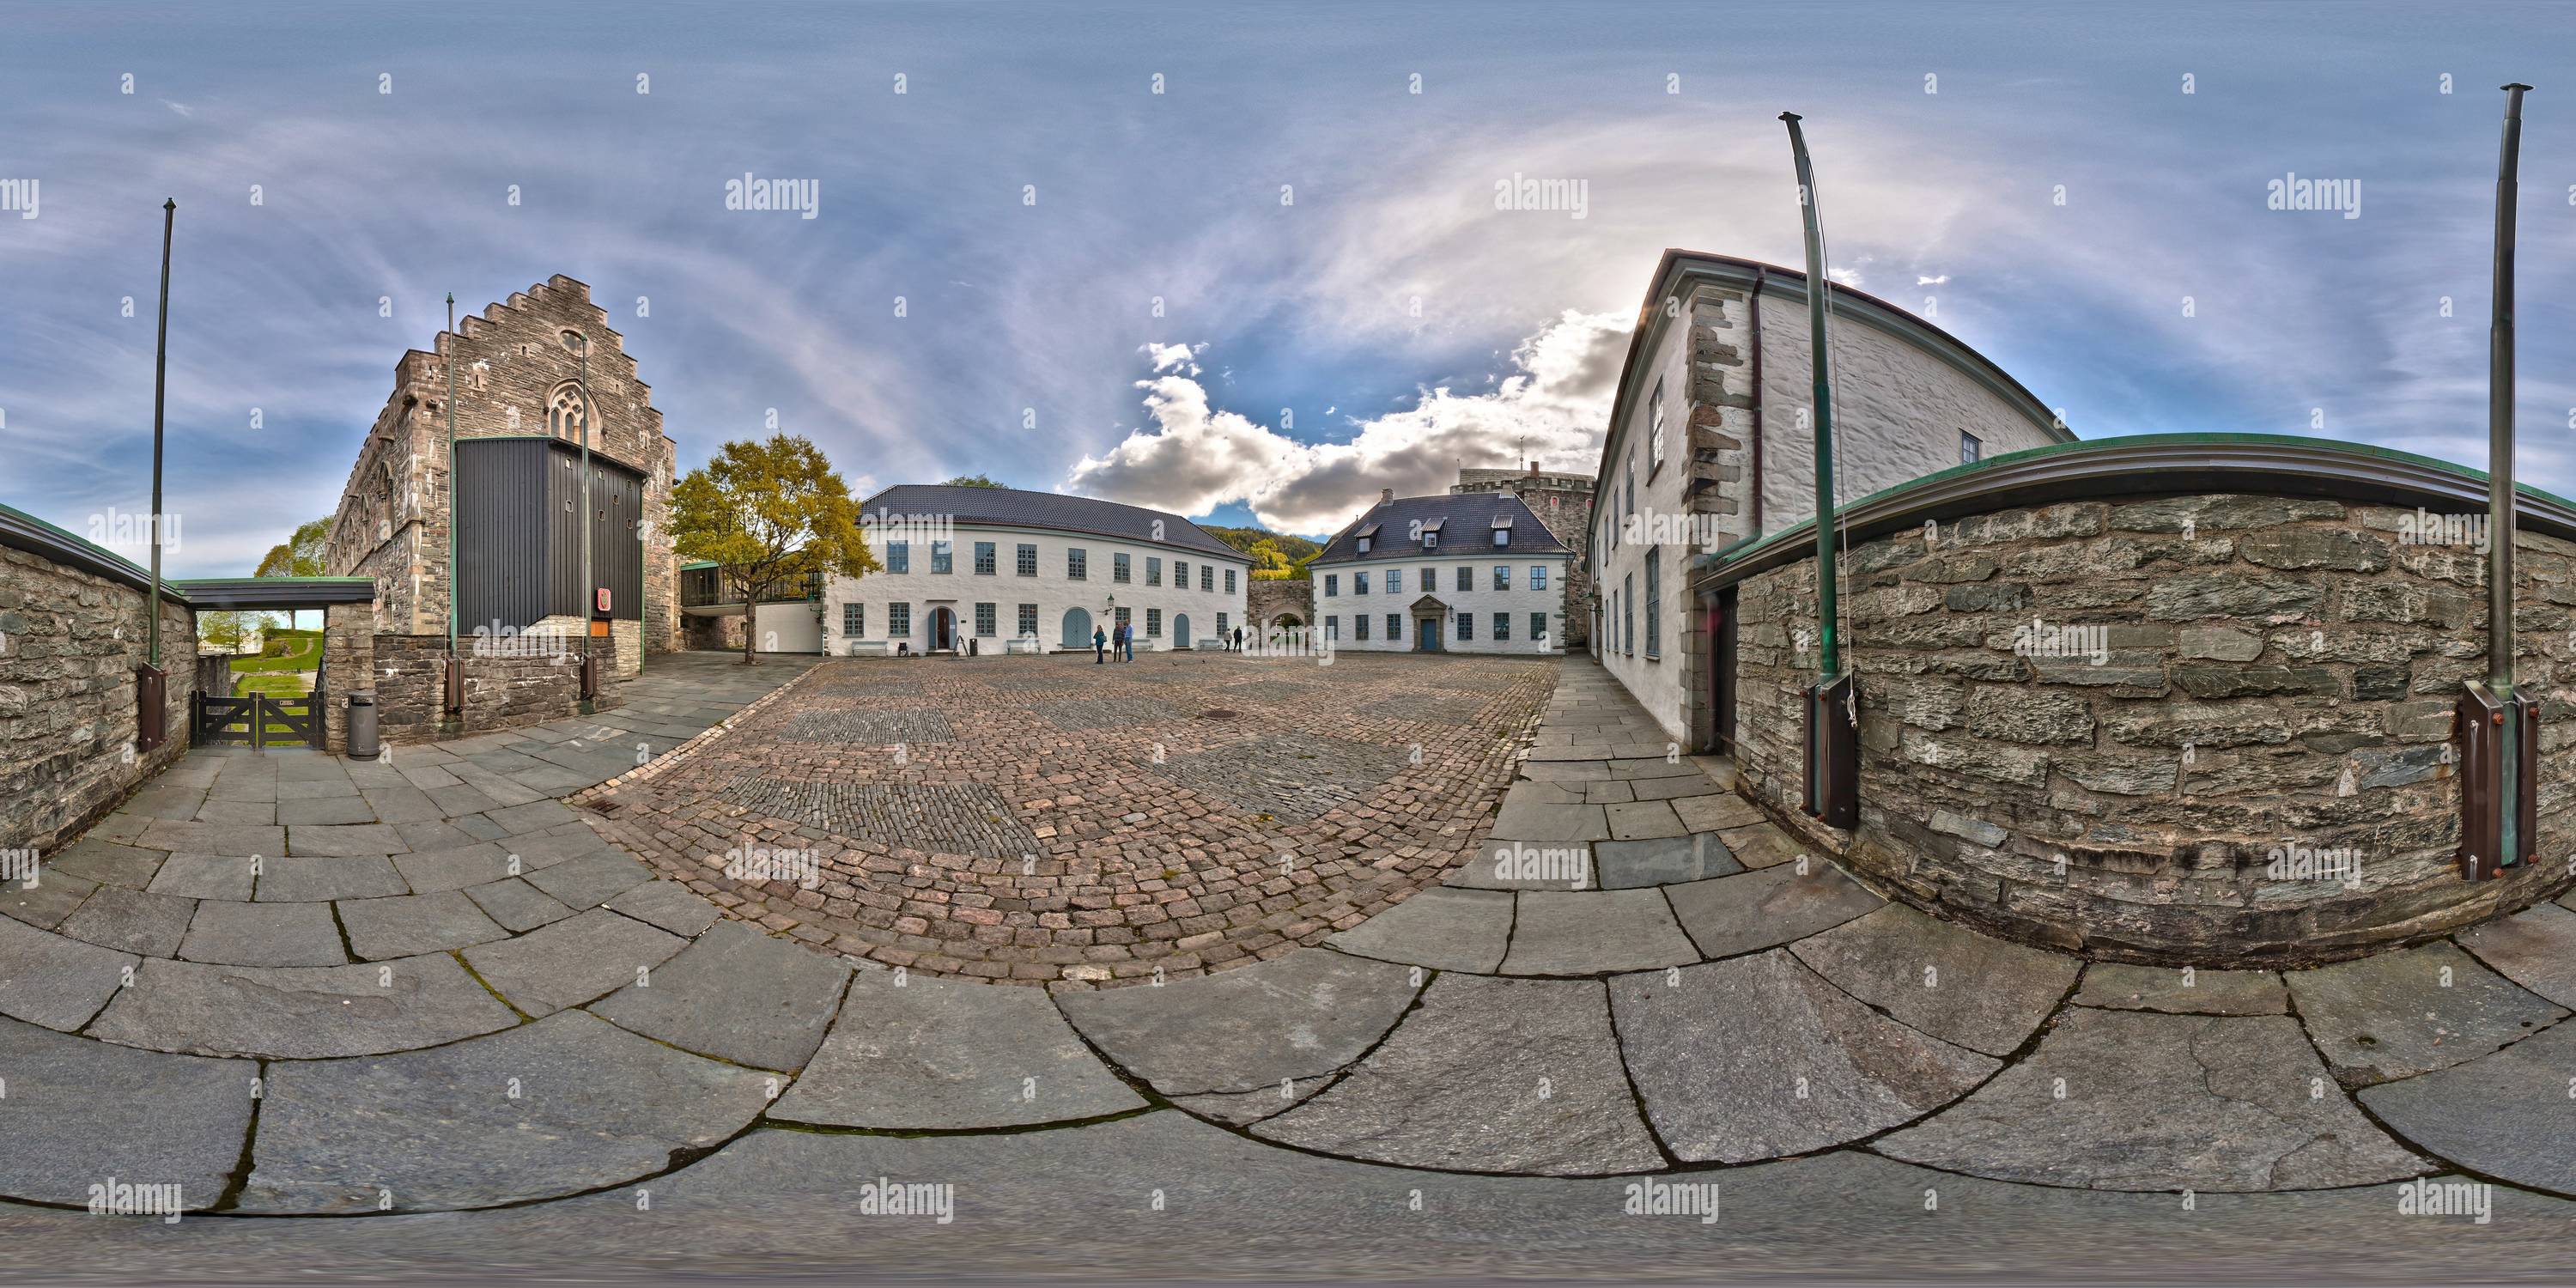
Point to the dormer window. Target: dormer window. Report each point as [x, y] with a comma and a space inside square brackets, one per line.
[1364, 538]
[1502, 536]
[1364, 545]
[1430, 540]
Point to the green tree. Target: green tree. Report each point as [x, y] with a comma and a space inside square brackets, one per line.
[768, 514]
[970, 480]
[228, 629]
[300, 555]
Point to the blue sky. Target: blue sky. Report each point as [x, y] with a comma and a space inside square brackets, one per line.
[1274, 287]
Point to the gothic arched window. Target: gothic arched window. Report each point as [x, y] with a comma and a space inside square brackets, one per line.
[565, 414]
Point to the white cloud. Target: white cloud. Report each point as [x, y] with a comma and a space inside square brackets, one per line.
[1549, 408]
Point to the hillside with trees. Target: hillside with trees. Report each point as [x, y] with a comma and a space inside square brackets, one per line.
[1276, 556]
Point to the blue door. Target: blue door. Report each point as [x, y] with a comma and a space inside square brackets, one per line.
[1426, 635]
[1180, 630]
[1077, 628]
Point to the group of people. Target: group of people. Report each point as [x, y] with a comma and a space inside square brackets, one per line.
[1121, 643]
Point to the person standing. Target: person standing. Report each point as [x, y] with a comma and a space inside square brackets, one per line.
[1099, 646]
[1129, 631]
[1238, 639]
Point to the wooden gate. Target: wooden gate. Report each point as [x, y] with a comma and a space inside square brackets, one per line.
[255, 720]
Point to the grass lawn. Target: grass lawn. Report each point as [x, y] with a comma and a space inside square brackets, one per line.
[284, 668]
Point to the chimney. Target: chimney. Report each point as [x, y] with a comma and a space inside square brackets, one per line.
[1386, 496]
[1533, 469]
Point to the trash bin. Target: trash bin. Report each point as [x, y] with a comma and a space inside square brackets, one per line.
[362, 727]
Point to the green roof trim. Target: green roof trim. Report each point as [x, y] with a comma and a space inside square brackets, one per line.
[695, 564]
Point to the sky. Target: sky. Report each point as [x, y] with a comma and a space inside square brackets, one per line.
[1243, 262]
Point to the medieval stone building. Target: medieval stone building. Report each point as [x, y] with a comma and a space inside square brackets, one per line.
[521, 417]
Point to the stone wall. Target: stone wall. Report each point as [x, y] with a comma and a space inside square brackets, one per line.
[348, 666]
[501, 692]
[1266, 600]
[69, 643]
[2272, 677]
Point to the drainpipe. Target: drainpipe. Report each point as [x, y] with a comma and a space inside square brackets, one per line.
[1833, 705]
[454, 695]
[1761, 275]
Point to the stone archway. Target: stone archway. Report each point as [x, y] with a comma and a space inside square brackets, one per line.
[1288, 622]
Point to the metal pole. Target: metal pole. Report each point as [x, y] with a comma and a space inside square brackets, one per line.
[452, 512]
[1830, 662]
[589, 592]
[160, 370]
[2500, 524]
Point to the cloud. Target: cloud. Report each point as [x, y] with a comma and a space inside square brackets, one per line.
[1550, 408]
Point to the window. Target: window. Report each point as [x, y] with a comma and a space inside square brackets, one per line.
[1431, 541]
[1614, 621]
[1028, 561]
[1395, 581]
[984, 566]
[1359, 583]
[898, 556]
[1125, 618]
[1077, 564]
[564, 418]
[1430, 580]
[1180, 574]
[1154, 623]
[1502, 626]
[1207, 577]
[898, 621]
[985, 623]
[1969, 448]
[1332, 584]
[1220, 625]
[1364, 545]
[1229, 581]
[854, 620]
[1654, 604]
[1028, 619]
[1628, 489]
[1538, 626]
[1118, 569]
[1538, 577]
[1655, 432]
[1628, 619]
[1394, 627]
[1502, 576]
[1466, 627]
[943, 557]
[1466, 577]
[1332, 628]
[1502, 537]
[1359, 627]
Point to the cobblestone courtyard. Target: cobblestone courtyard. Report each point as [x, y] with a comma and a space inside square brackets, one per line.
[1049, 819]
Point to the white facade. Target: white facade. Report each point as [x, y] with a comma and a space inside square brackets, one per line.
[1535, 594]
[1906, 399]
[901, 606]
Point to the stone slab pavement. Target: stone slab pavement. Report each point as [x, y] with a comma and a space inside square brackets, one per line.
[1666, 1060]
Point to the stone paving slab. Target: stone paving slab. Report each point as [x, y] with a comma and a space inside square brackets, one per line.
[307, 878]
[1525, 865]
[229, 811]
[2535, 948]
[1760, 1057]
[57, 982]
[108, 863]
[1530, 821]
[521, 907]
[324, 809]
[212, 838]
[1644, 820]
[1439, 927]
[2397, 1014]
[927, 1054]
[1293, 1017]
[204, 876]
[1487, 1075]
[264, 934]
[79, 1113]
[572, 961]
[2198, 992]
[738, 995]
[1594, 933]
[2505, 1114]
[345, 839]
[300, 1013]
[1244, 1108]
[400, 802]
[1764, 845]
[44, 901]
[1962, 987]
[132, 921]
[668, 905]
[591, 880]
[1767, 908]
[1628, 865]
[442, 1129]
[455, 869]
[409, 925]
[2161, 1102]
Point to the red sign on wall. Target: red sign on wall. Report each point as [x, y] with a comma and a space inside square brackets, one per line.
[603, 599]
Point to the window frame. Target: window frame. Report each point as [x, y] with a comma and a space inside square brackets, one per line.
[1077, 563]
[987, 559]
[1024, 561]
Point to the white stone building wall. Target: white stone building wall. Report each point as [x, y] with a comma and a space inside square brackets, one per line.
[1051, 590]
[1483, 601]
